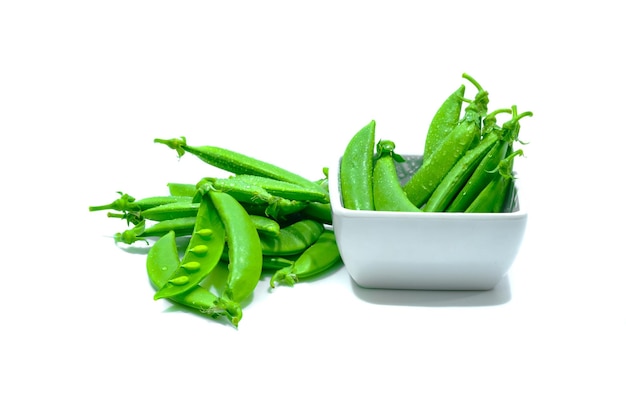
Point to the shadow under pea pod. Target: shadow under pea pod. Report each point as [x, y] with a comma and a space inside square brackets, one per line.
[500, 294]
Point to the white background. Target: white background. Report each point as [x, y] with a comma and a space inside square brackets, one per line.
[86, 86]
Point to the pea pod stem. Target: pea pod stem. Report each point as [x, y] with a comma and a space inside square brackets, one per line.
[473, 81]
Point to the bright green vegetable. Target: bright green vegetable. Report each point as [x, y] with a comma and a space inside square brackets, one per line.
[388, 193]
[202, 253]
[265, 225]
[317, 258]
[162, 261]
[292, 239]
[270, 263]
[321, 212]
[129, 203]
[244, 254]
[456, 178]
[355, 172]
[492, 198]
[487, 168]
[171, 211]
[253, 195]
[423, 183]
[282, 189]
[182, 190]
[181, 227]
[235, 162]
[444, 121]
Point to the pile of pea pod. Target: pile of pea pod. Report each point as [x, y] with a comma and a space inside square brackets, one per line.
[265, 219]
[467, 162]
[261, 219]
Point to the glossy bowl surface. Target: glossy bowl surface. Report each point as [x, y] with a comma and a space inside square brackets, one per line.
[426, 251]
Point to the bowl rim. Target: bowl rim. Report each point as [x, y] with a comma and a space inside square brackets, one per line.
[336, 203]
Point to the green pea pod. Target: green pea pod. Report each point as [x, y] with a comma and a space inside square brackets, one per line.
[292, 239]
[320, 212]
[265, 225]
[388, 193]
[201, 255]
[181, 227]
[129, 203]
[283, 189]
[422, 184]
[235, 162]
[162, 261]
[355, 171]
[456, 178]
[251, 195]
[182, 190]
[444, 121]
[492, 198]
[171, 211]
[270, 263]
[486, 169]
[244, 253]
[317, 258]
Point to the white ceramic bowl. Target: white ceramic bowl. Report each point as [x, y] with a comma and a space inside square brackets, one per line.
[426, 251]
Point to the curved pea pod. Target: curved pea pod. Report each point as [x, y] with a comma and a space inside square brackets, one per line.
[283, 189]
[244, 253]
[316, 259]
[181, 227]
[486, 169]
[171, 211]
[422, 184]
[355, 171]
[201, 255]
[162, 261]
[265, 225]
[457, 177]
[444, 121]
[388, 193]
[292, 239]
[234, 162]
[492, 198]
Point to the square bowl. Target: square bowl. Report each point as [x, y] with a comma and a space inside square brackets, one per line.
[425, 251]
